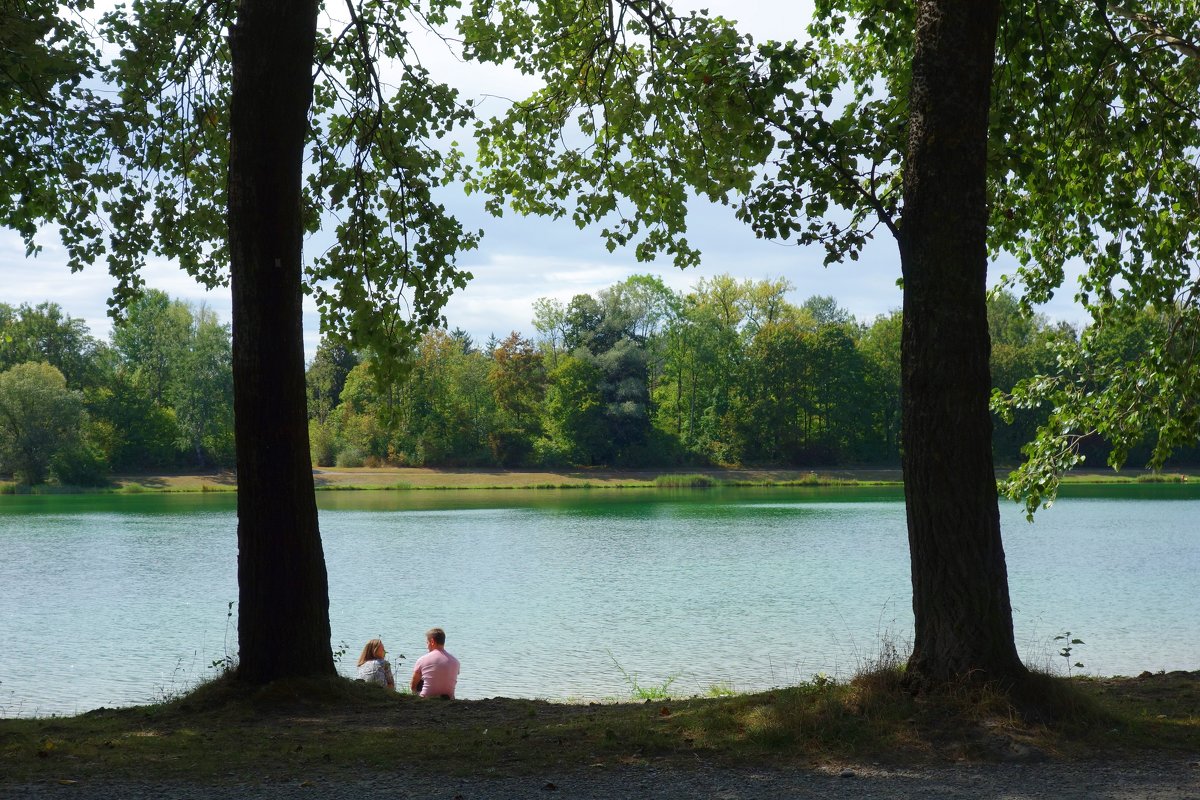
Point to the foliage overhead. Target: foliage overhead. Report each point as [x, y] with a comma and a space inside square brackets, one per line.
[117, 133]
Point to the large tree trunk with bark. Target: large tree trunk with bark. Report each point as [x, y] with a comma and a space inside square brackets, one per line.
[960, 582]
[283, 613]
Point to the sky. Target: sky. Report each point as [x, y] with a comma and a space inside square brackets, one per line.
[522, 259]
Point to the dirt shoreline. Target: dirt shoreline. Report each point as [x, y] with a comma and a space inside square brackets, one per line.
[341, 478]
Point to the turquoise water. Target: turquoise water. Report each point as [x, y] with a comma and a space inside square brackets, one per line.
[116, 600]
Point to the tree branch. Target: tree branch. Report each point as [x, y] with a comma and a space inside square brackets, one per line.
[1147, 23]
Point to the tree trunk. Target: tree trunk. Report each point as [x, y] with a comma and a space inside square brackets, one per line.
[283, 613]
[960, 583]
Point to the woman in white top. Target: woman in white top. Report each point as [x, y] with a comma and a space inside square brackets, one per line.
[373, 667]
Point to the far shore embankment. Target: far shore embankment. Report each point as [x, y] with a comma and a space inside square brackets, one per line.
[335, 478]
[431, 478]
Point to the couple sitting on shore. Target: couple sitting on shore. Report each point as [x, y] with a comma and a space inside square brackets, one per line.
[434, 675]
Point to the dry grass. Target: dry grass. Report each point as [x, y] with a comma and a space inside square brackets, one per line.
[425, 478]
[367, 478]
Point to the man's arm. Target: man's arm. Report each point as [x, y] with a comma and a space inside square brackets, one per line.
[416, 680]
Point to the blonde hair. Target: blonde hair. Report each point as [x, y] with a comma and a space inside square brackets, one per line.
[371, 651]
[437, 635]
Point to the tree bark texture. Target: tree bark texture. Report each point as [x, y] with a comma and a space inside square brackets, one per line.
[283, 613]
[960, 581]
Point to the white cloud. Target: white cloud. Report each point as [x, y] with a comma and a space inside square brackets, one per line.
[85, 294]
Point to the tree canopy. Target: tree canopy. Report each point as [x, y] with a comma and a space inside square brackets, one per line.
[138, 169]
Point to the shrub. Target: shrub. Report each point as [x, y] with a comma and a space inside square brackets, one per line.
[79, 464]
[549, 453]
[349, 457]
[1162, 477]
[509, 448]
[684, 481]
[322, 445]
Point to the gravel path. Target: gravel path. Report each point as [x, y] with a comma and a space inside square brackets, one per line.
[1168, 780]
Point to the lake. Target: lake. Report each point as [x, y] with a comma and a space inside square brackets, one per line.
[110, 600]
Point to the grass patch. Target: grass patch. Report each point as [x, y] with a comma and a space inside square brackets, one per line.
[1097, 478]
[1130, 477]
[812, 479]
[359, 487]
[1162, 477]
[42, 489]
[335, 728]
[646, 693]
[694, 481]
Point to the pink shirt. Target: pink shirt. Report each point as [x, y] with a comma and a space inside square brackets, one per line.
[439, 670]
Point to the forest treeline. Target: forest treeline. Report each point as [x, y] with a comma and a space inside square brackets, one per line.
[157, 396]
[636, 375]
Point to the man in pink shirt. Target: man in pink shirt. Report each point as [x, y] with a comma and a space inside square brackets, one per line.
[436, 673]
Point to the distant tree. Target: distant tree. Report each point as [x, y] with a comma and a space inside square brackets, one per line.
[714, 356]
[801, 397]
[670, 394]
[650, 306]
[326, 376]
[39, 416]
[583, 323]
[151, 340]
[439, 414]
[202, 391]
[139, 433]
[464, 340]
[490, 345]
[764, 303]
[1023, 346]
[826, 311]
[776, 408]
[880, 346]
[180, 358]
[575, 411]
[695, 354]
[468, 377]
[725, 298]
[625, 395]
[517, 379]
[45, 333]
[356, 424]
[550, 321]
